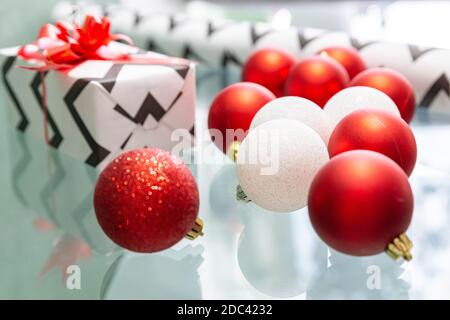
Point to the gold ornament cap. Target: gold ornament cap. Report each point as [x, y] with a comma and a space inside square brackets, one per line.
[197, 230]
[400, 247]
[232, 150]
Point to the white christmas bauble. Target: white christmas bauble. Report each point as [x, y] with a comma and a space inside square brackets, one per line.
[276, 163]
[295, 108]
[356, 98]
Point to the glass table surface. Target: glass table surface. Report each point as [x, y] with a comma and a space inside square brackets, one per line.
[47, 224]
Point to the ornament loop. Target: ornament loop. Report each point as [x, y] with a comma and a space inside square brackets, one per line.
[197, 230]
[400, 247]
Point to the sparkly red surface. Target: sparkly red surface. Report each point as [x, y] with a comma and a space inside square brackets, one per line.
[348, 57]
[359, 202]
[269, 67]
[378, 131]
[317, 79]
[234, 108]
[392, 83]
[146, 200]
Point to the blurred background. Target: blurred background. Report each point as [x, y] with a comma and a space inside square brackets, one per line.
[415, 22]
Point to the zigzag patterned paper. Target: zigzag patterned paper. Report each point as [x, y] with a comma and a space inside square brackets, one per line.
[222, 43]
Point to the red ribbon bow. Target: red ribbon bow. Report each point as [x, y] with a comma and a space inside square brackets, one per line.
[63, 45]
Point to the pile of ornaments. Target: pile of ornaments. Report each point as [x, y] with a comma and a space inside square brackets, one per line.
[327, 133]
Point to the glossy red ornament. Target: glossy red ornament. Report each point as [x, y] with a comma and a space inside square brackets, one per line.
[317, 79]
[359, 202]
[146, 200]
[392, 83]
[269, 67]
[234, 108]
[378, 131]
[348, 57]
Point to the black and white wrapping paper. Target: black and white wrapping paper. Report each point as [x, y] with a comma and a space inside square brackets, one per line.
[99, 108]
[222, 43]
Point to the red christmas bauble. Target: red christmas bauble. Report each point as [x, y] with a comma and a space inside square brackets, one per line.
[146, 200]
[392, 83]
[359, 202]
[270, 68]
[317, 79]
[348, 57]
[378, 131]
[234, 108]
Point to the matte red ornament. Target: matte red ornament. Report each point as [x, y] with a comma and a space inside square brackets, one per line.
[392, 83]
[348, 57]
[269, 67]
[361, 203]
[317, 79]
[146, 200]
[234, 108]
[378, 131]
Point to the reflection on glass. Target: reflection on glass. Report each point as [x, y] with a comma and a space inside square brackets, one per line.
[376, 277]
[430, 232]
[278, 252]
[222, 192]
[171, 274]
[66, 251]
[56, 188]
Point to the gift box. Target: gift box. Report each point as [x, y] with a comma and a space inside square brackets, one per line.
[227, 43]
[96, 108]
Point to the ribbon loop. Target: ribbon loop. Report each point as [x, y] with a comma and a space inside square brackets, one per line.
[64, 44]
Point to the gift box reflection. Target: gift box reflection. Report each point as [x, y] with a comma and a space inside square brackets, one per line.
[58, 190]
[56, 187]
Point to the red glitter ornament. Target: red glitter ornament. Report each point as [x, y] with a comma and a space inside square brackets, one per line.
[361, 203]
[233, 109]
[378, 131]
[269, 67]
[392, 83]
[317, 79]
[348, 57]
[146, 200]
